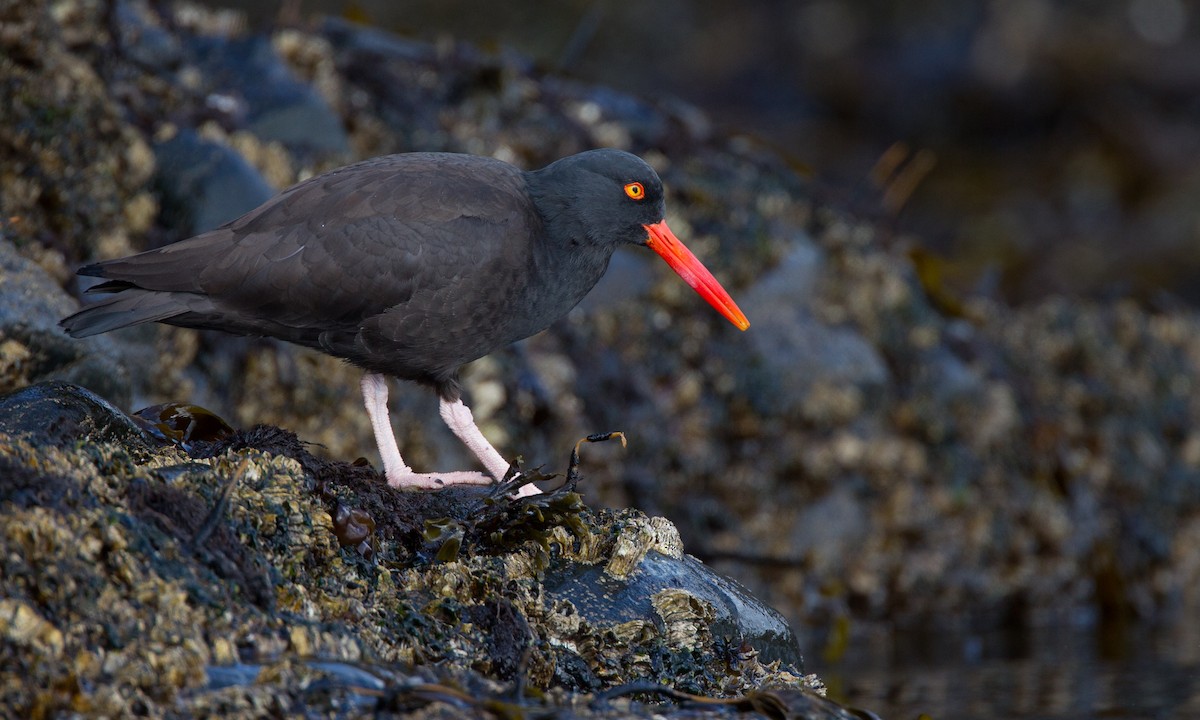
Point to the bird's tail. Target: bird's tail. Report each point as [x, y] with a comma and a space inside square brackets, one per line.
[130, 305]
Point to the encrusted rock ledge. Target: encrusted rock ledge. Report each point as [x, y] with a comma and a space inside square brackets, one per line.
[246, 576]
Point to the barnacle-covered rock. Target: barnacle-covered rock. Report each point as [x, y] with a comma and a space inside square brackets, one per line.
[146, 573]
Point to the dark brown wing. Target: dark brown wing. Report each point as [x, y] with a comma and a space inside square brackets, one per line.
[403, 259]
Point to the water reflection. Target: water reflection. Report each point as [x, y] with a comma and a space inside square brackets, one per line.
[1051, 673]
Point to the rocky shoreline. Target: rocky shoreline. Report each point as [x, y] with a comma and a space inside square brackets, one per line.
[248, 576]
[873, 449]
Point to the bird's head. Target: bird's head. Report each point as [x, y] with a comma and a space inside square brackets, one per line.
[611, 197]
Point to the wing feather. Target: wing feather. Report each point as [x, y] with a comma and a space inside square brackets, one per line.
[352, 244]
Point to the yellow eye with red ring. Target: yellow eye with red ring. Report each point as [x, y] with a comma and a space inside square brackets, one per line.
[635, 190]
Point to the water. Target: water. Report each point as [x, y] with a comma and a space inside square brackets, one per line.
[1057, 673]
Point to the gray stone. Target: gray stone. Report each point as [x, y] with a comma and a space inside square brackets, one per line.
[792, 348]
[278, 106]
[827, 529]
[34, 348]
[649, 579]
[60, 414]
[204, 184]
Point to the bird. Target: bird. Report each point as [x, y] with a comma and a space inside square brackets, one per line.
[408, 265]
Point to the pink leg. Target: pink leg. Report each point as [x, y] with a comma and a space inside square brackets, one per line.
[375, 395]
[460, 421]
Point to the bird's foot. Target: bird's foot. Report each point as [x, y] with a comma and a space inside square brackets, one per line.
[437, 481]
[527, 490]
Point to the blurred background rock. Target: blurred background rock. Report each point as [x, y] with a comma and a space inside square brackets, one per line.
[1035, 146]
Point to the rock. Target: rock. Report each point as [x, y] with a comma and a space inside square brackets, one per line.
[793, 349]
[143, 37]
[826, 530]
[71, 165]
[205, 184]
[60, 414]
[649, 578]
[224, 571]
[32, 346]
[277, 106]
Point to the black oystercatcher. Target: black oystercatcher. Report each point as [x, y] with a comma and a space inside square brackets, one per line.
[407, 265]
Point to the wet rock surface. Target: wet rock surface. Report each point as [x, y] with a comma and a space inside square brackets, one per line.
[57, 413]
[141, 579]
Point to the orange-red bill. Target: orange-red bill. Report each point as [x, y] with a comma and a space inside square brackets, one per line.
[662, 241]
